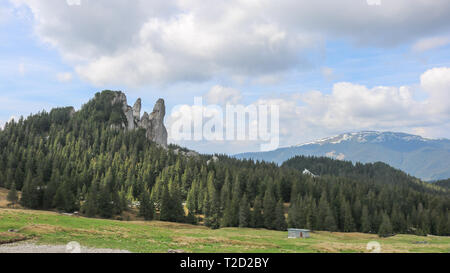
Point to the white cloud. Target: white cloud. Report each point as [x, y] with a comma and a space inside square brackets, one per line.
[192, 40]
[64, 77]
[436, 82]
[430, 43]
[221, 95]
[353, 107]
[333, 154]
[349, 107]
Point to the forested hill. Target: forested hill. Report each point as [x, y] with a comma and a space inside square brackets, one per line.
[443, 183]
[86, 161]
[378, 172]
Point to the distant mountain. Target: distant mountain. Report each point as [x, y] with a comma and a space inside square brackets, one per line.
[428, 159]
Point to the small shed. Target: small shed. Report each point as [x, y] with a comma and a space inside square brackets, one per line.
[298, 233]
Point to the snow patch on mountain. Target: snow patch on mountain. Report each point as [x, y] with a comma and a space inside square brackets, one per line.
[366, 137]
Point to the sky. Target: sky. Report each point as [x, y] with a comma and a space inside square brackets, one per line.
[331, 66]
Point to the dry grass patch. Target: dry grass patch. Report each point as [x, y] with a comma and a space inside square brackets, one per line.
[170, 225]
[41, 229]
[350, 235]
[222, 241]
[334, 247]
[32, 213]
[3, 202]
[8, 237]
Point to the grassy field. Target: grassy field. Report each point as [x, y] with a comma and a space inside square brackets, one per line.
[53, 228]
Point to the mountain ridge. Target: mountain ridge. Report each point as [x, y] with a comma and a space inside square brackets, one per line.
[422, 157]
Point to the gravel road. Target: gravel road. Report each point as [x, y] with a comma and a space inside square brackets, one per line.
[27, 247]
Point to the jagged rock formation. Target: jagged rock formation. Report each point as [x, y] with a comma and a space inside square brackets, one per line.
[153, 123]
[157, 131]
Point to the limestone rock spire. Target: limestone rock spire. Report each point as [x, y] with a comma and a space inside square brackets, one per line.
[153, 123]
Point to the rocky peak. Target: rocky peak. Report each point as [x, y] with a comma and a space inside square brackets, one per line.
[121, 99]
[158, 131]
[153, 123]
[137, 109]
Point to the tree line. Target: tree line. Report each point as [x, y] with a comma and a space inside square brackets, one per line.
[79, 161]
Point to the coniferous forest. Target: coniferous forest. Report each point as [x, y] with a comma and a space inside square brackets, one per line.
[79, 161]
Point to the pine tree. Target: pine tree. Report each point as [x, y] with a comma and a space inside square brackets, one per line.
[191, 202]
[178, 214]
[90, 207]
[257, 220]
[12, 195]
[365, 221]
[146, 207]
[269, 210]
[227, 218]
[323, 212]
[27, 198]
[349, 224]
[244, 212]
[385, 227]
[166, 206]
[280, 219]
[105, 203]
[293, 215]
[330, 222]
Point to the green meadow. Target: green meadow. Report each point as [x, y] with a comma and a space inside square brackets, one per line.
[43, 227]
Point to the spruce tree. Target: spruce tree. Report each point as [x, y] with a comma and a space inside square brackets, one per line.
[244, 212]
[330, 222]
[269, 210]
[323, 211]
[146, 207]
[105, 205]
[90, 206]
[366, 226]
[385, 227]
[349, 224]
[166, 206]
[280, 219]
[12, 195]
[257, 220]
[292, 215]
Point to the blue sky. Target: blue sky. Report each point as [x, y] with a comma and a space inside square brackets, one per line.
[55, 54]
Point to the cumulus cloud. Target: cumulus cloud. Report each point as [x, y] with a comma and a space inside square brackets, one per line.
[146, 42]
[436, 82]
[353, 107]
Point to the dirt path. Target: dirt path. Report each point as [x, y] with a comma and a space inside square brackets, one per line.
[29, 247]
